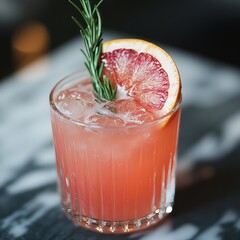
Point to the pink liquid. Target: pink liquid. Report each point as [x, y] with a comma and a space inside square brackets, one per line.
[123, 170]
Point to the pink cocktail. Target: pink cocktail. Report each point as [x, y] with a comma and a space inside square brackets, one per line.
[115, 160]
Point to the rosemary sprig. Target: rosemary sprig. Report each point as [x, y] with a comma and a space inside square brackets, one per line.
[92, 36]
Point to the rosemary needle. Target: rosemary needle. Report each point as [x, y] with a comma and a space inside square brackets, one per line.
[91, 33]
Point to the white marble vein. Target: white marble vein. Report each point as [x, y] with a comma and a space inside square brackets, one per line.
[213, 232]
[212, 145]
[165, 232]
[32, 180]
[45, 157]
[237, 225]
[18, 223]
[206, 83]
[18, 150]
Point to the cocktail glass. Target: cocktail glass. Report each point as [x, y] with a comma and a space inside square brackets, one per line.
[114, 179]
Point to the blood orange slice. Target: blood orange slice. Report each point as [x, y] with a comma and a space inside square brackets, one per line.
[145, 71]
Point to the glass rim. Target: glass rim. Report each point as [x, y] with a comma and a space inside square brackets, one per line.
[80, 123]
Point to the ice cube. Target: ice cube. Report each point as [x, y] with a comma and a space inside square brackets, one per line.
[79, 103]
[75, 104]
[129, 111]
[106, 120]
[81, 95]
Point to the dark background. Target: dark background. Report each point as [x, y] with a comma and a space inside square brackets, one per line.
[207, 27]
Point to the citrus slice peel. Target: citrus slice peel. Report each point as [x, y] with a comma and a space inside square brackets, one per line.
[146, 71]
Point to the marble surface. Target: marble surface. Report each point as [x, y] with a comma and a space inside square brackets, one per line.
[207, 204]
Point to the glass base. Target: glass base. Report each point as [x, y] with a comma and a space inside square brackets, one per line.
[127, 226]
